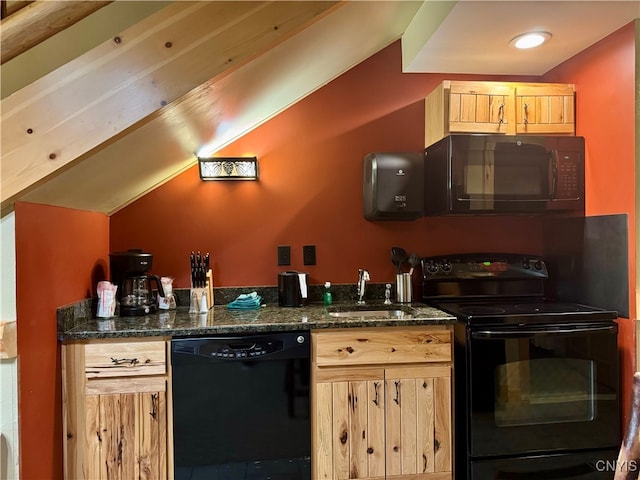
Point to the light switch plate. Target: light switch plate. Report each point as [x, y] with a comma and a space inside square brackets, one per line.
[309, 254]
[284, 255]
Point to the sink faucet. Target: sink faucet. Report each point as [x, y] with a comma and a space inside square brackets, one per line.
[363, 278]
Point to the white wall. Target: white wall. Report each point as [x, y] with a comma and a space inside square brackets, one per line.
[8, 367]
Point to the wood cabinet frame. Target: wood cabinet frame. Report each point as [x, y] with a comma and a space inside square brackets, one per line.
[117, 418]
[507, 108]
[376, 415]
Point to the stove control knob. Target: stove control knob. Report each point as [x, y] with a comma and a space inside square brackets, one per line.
[537, 265]
[446, 266]
[526, 264]
[432, 267]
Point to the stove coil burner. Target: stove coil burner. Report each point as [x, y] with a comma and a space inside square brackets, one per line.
[482, 310]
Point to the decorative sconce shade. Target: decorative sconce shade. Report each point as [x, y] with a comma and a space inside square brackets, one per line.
[228, 168]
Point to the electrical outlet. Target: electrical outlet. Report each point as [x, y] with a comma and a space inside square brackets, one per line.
[284, 255]
[309, 254]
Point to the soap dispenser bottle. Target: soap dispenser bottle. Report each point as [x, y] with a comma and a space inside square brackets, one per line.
[327, 298]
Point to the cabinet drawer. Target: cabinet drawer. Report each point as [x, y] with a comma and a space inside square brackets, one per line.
[382, 346]
[124, 359]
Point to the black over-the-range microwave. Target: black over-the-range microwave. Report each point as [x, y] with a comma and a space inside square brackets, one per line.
[493, 174]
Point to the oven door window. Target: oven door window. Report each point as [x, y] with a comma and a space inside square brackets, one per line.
[543, 390]
[531, 390]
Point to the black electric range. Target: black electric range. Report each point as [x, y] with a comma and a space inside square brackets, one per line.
[536, 378]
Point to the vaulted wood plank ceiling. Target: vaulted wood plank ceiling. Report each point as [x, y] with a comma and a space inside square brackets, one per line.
[130, 114]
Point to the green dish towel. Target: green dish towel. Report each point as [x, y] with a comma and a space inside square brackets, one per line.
[246, 301]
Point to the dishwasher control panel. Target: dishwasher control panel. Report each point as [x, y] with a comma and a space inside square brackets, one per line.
[250, 347]
[241, 350]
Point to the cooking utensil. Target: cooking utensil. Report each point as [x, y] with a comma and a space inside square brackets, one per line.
[398, 257]
[414, 261]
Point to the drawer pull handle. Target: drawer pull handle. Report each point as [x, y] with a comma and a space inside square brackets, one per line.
[125, 361]
[376, 387]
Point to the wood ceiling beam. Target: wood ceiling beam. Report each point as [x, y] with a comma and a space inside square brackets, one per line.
[39, 20]
[117, 86]
[13, 7]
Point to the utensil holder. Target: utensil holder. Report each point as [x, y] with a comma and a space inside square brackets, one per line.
[404, 288]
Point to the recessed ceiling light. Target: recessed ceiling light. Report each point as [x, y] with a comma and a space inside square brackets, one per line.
[530, 40]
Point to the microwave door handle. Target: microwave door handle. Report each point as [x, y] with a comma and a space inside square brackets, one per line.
[529, 333]
[553, 180]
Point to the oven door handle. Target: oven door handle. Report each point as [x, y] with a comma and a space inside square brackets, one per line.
[528, 333]
[562, 473]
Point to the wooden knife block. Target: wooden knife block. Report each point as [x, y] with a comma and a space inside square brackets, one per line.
[208, 289]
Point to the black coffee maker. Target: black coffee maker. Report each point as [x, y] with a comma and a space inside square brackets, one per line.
[129, 272]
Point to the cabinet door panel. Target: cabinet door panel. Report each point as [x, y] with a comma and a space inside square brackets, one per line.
[358, 430]
[442, 436]
[375, 422]
[402, 427]
[479, 107]
[408, 427]
[323, 432]
[545, 108]
[393, 432]
[426, 426]
[93, 435]
[151, 441]
[340, 430]
[418, 422]
[119, 442]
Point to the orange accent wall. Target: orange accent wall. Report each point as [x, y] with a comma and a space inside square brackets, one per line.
[60, 256]
[310, 192]
[604, 75]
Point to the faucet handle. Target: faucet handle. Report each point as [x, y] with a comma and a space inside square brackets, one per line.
[365, 275]
[387, 294]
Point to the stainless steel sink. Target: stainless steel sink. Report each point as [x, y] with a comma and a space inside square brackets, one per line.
[381, 311]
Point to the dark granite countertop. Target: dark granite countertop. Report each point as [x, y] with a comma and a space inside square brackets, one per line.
[220, 320]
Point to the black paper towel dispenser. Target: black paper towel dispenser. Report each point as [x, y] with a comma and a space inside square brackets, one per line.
[393, 185]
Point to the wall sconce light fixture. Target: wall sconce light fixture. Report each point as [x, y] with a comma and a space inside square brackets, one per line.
[228, 168]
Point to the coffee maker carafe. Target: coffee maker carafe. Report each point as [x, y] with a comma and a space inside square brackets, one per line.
[129, 272]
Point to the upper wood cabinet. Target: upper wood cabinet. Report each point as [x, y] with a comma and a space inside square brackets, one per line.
[499, 108]
[381, 403]
[116, 412]
[545, 108]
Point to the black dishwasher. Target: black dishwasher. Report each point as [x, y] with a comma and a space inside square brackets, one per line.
[241, 407]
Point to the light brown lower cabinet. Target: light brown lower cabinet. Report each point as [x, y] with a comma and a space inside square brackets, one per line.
[116, 410]
[381, 403]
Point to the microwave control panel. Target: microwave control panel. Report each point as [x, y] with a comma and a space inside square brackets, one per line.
[569, 175]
